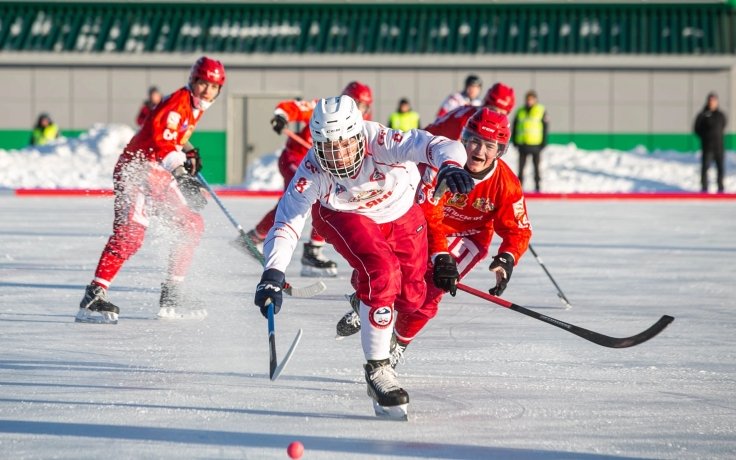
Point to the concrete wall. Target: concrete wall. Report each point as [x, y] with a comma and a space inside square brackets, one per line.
[604, 100]
[595, 101]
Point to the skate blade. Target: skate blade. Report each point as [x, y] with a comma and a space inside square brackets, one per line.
[398, 413]
[314, 272]
[172, 313]
[104, 318]
[340, 336]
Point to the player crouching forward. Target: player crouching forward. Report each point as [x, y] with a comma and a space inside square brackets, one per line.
[364, 178]
[461, 225]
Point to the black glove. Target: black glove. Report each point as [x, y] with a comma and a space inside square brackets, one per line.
[457, 179]
[270, 291]
[191, 188]
[193, 164]
[278, 123]
[502, 262]
[445, 275]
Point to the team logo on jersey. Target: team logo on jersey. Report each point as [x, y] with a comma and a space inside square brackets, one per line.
[377, 175]
[310, 167]
[187, 134]
[339, 188]
[362, 196]
[520, 213]
[381, 137]
[172, 120]
[381, 317]
[483, 205]
[457, 200]
[301, 184]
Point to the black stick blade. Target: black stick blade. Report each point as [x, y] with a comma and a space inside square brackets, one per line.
[592, 336]
[272, 355]
[625, 342]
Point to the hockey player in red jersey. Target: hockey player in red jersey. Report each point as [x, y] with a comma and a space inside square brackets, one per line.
[154, 177]
[499, 98]
[314, 263]
[461, 226]
[364, 177]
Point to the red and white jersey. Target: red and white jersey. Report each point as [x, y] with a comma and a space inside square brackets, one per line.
[454, 101]
[451, 125]
[166, 129]
[495, 204]
[383, 189]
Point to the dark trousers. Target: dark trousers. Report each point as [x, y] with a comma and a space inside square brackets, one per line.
[536, 152]
[711, 155]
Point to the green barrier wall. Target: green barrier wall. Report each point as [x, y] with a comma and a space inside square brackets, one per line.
[212, 149]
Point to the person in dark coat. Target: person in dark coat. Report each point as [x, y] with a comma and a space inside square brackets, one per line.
[710, 125]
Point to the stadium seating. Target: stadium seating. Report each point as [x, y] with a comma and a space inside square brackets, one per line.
[391, 29]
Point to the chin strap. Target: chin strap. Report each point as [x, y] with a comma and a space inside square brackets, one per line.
[482, 174]
[199, 103]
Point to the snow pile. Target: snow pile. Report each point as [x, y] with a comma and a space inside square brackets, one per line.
[87, 162]
[83, 162]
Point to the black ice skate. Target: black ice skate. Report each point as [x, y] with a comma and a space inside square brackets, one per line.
[315, 264]
[173, 304]
[254, 249]
[389, 399]
[397, 351]
[95, 308]
[350, 323]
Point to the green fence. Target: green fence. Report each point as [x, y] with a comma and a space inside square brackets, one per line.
[394, 29]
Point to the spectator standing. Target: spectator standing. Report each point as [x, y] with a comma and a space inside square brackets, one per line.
[404, 118]
[468, 96]
[709, 127]
[45, 130]
[530, 135]
[154, 97]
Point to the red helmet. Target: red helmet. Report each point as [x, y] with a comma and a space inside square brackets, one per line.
[490, 126]
[208, 70]
[359, 92]
[501, 97]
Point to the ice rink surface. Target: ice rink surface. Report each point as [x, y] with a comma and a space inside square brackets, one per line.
[485, 382]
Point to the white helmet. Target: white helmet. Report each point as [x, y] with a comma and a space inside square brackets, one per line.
[337, 132]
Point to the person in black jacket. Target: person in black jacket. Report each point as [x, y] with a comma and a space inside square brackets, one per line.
[709, 127]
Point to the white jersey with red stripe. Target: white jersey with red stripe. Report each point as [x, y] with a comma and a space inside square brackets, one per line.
[382, 190]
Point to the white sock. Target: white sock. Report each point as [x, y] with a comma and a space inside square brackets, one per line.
[376, 341]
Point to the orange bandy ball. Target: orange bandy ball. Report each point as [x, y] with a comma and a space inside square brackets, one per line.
[295, 450]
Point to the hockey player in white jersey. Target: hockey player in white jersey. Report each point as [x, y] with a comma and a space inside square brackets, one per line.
[361, 177]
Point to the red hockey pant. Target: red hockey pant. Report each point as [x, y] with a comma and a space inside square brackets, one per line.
[467, 254]
[389, 260]
[144, 190]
